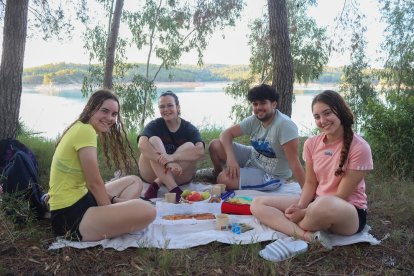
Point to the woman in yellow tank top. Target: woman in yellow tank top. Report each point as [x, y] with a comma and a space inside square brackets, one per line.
[82, 205]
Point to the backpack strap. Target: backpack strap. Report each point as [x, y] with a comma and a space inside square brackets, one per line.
[30, 164]
[4, 144]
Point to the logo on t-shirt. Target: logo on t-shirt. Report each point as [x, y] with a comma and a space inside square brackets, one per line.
[263, 147]
[170, 148]
[329, 152]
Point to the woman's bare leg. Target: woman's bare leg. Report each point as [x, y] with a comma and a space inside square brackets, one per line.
[128, 187]
[325, 213]
[145, 169]
[269, 210]
[332, 214]
[188, 167]
[109, 221]
[152, 171]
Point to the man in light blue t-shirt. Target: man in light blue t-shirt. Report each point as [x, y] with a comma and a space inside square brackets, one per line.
[273, 153]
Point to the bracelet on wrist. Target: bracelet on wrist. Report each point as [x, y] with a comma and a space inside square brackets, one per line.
[112, 199]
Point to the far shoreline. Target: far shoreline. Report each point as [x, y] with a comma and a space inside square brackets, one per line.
[53, 89]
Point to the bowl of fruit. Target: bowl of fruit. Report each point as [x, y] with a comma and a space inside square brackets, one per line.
[194, 196]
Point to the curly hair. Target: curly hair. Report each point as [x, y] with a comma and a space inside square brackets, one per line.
[341, 109]
[113, 143]
[262, 92]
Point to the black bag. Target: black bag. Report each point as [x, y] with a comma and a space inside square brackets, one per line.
[19, 175]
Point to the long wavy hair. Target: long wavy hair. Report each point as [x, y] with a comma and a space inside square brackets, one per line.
[341, 109]
[113, 143]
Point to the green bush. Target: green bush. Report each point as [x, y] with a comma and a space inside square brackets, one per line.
[44, 150]
[390, 132]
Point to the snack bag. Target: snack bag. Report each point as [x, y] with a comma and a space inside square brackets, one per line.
[239, 205]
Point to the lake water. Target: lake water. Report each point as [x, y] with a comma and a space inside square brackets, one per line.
[48, 111]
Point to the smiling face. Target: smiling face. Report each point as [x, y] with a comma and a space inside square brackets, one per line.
[105, 117]
[169, 110]
[264, 110]
[327, 121]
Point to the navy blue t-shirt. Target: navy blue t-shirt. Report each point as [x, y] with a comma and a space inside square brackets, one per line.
[172, 140]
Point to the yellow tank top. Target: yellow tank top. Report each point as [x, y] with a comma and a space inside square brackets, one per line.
[67, 181]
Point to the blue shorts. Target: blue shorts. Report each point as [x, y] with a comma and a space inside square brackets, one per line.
[252, 178]
[65, 221]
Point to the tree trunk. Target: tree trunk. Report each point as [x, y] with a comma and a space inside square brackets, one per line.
[282, 64]
[111, 44]
[11, 68]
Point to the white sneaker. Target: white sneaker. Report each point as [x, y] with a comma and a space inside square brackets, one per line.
[208, 174]
[45, 201]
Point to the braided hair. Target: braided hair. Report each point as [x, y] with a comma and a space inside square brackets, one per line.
[341, 109]
[114, 142]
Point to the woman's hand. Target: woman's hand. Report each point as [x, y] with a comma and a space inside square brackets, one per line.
[294, 213]
[164, 159]
[175, 168]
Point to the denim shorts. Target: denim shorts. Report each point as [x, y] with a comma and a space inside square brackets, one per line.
[65, 221]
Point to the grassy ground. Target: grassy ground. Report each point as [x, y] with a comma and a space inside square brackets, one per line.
[23, 247]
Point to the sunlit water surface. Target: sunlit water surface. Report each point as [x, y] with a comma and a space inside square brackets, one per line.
[48, 111]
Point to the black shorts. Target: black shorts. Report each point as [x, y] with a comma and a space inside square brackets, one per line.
[65, 222]
[362, 217]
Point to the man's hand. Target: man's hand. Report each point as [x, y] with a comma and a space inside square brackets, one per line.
[232, 169]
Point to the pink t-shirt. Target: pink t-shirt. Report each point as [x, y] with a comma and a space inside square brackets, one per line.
[325, 160]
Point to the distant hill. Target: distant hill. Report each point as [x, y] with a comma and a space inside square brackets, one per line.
[71, 73]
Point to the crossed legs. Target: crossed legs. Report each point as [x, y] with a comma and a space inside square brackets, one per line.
[152, 171]
[328, 213]
[127, 215]
[125, 188]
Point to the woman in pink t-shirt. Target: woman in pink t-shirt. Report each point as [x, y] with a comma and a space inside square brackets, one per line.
[333, 197]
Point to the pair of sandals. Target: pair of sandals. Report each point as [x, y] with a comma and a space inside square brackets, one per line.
[283, 249]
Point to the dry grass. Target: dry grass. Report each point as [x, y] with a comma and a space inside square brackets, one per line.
[23, 249]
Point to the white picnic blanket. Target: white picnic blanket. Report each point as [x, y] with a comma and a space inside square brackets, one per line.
[190, 233]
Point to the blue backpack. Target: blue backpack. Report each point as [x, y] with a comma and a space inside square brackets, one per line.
[19, 175]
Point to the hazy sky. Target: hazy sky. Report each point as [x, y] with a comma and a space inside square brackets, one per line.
[233, 49]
